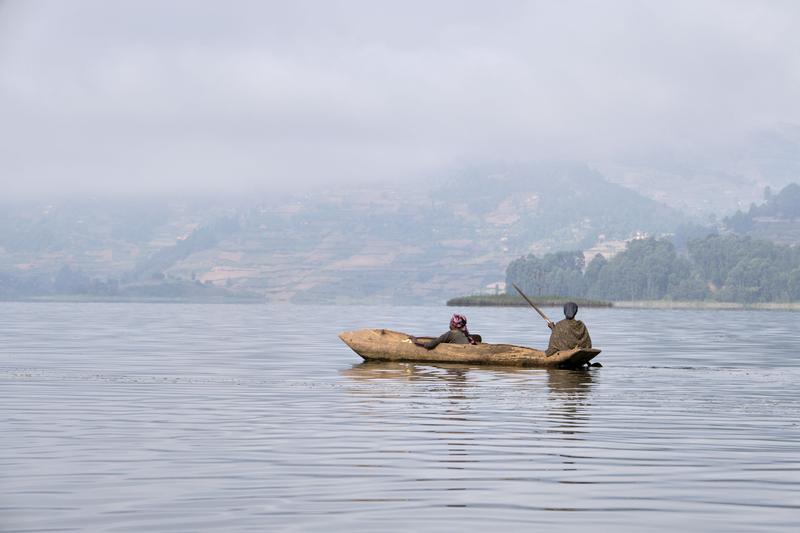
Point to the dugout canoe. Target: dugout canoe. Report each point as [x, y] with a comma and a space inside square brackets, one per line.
[388, 345]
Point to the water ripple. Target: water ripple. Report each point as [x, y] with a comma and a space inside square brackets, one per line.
[240, 418]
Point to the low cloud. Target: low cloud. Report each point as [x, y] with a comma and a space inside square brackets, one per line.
[147, 96]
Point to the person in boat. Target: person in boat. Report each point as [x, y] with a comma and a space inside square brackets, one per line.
[458, 334]
[568, 333]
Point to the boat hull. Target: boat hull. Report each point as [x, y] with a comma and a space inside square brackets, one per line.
[388, 345]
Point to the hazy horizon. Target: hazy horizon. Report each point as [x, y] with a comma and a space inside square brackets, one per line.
[147, 98]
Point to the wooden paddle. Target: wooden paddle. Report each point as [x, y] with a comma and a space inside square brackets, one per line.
[532, 304]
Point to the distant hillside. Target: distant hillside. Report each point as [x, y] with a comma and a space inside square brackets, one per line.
[558, 206]
[777, 219]
[703, 183]
[421, 244]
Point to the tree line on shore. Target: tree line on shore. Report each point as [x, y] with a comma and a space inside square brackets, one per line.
[729, 268]
[74, 284]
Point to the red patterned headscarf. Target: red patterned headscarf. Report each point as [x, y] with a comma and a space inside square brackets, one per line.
[459, 322]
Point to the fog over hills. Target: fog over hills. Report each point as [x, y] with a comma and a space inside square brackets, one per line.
[379, 244]
[407, 151]
[453, 235]
[702, 183]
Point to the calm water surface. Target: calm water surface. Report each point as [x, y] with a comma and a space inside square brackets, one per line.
[135, 417]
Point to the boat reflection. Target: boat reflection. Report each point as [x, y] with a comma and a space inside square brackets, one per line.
[371, 370]
[568, 391]
[568, 383]
[468, 412]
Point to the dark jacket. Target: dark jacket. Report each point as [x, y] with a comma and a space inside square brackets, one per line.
[568, 334]
[453, 336]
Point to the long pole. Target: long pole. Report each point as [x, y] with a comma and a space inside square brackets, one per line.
[532, 304]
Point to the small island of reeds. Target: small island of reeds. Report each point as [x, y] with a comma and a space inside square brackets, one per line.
[509, 300]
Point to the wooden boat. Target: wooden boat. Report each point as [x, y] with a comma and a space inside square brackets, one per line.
[387, 345]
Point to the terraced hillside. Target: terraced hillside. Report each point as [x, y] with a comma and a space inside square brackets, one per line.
[381, 245]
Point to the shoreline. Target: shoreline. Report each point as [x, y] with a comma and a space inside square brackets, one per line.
[505, 300]
[132, 300]
[635, 304]
[668, 304]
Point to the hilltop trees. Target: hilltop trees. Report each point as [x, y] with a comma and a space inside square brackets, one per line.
[784, 205]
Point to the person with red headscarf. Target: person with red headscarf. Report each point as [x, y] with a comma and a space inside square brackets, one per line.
[458, 334]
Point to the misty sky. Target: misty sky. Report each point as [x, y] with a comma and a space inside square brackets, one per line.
[156, 96]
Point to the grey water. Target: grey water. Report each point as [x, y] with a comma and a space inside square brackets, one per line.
[172, 417]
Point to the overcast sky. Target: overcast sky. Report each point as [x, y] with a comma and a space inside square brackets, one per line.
[142, 96]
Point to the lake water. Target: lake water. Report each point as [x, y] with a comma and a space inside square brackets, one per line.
[137, 417]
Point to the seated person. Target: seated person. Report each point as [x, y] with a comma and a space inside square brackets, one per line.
[568, 333]
[458, 334]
